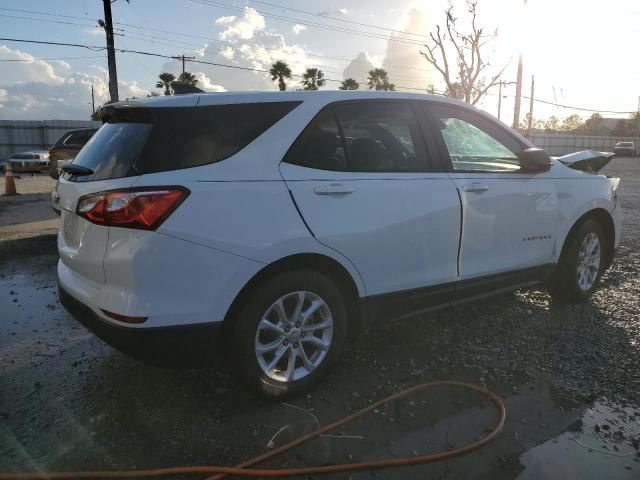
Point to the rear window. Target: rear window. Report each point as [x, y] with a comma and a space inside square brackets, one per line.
[173, 138]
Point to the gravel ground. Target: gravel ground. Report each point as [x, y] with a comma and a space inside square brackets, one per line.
[568, 374]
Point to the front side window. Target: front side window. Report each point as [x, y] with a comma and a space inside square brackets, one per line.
[361, 137]
[474, 145]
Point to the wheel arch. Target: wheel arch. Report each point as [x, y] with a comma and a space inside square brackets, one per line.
[310, 261]
[604, 219]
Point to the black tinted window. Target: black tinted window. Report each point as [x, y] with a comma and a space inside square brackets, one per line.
[112, 151]
[320, 145]
[377, 137]
[380, 137]
[140, 140]
[188, 137]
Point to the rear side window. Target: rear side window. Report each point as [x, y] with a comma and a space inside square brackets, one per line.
[144, 140]
[77, 139]
[112, 151]
[362, 137]
[189, 137]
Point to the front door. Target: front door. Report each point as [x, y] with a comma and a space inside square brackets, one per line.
[509, 218]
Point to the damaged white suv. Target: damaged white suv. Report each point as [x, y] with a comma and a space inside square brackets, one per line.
[281, 222]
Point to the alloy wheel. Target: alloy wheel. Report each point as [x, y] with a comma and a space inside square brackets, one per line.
[294, 336]
[588, 261]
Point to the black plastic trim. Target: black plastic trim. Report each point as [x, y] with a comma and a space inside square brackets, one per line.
[180, 345]
[407, 303]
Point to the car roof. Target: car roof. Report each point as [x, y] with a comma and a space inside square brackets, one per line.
[321, 96]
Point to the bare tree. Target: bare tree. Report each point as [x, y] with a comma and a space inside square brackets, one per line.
[466, 76]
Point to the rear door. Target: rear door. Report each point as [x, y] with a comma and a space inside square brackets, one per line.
[361, 177]
[509, 217]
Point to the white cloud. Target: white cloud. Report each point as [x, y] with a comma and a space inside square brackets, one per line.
[35, 90]
[200, 51]
[34, 70]
[95, 31]
[243, 28]
[343, 11]
[205, 83]
[359, 68]
[297, 28]
[245, 43]
[406, 67]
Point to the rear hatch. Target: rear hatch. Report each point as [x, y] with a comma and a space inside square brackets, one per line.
[109, 156]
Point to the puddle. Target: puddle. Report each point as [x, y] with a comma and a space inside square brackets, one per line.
[603, 443]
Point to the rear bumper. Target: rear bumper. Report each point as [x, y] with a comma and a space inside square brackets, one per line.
[183, 346]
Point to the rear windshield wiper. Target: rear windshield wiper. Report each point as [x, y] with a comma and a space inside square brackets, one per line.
[76, 169]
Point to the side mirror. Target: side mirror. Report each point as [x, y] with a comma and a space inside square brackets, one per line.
[534, 160]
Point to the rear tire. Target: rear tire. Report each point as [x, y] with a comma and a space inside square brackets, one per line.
[581, 264]
[289, 332]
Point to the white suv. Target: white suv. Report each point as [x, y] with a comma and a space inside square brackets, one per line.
[281, 222]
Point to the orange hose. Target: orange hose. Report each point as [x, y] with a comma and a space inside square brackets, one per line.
[221, 472]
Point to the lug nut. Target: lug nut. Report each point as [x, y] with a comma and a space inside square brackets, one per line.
[298, 324]
[303, 334]
[286, 342]
[287, 329]
[295, 345]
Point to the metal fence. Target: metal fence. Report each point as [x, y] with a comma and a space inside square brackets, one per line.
[558, 144]
[22, 135]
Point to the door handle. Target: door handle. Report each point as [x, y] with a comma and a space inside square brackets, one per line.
[333, 189]
[475, 187]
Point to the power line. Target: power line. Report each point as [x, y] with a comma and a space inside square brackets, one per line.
[344, 20]
[36, 12]
[546, 102]
[308, 23]
[46, 20]
[20, 40]
[46, 59]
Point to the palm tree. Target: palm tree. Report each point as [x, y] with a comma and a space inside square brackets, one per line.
[279, 71]
[313, 79]
[166, 79]
[349, 84]
[188, 78]
[379, 79]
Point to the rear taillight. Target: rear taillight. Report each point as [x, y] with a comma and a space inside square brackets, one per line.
[143, 208]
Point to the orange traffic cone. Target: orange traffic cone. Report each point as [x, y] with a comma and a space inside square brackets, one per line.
[9, 183]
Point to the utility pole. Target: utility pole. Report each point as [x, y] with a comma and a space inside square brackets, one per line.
[183, 58]
[533, 84]
[516, 108]
[499, 99]
[93, 102]
[111, 53]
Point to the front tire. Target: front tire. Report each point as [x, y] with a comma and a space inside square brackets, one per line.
[581, 264]
[290, 331]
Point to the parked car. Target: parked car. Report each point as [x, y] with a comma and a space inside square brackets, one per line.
[272, 225]
[67, 147]
[625, 149]
[30, 162]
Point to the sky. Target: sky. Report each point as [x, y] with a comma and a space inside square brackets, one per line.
[582, 52]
